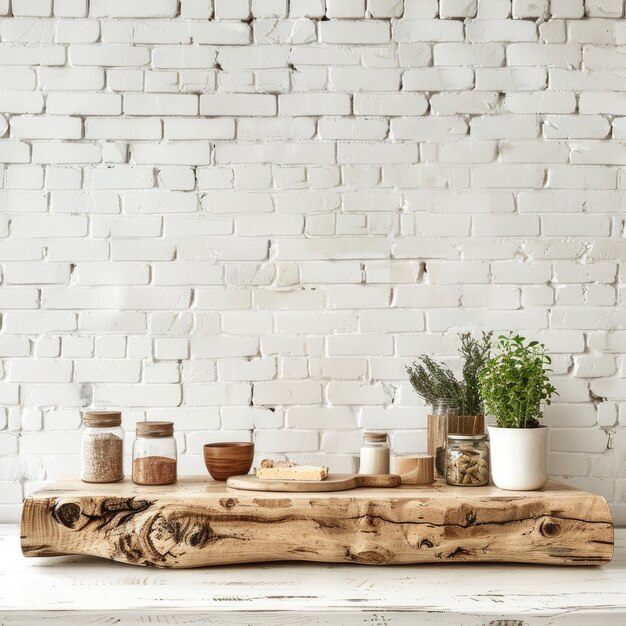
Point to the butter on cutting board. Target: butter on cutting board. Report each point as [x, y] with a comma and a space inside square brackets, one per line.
[285, 470]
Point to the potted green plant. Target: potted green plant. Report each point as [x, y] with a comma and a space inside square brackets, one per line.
[456, 405]
[514, 384]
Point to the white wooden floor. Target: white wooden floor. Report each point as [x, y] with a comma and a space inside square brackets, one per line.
[84, 590]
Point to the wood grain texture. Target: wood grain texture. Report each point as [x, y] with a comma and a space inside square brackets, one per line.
[415, 469]
[334, 482]
[79, 590]
[198, 522]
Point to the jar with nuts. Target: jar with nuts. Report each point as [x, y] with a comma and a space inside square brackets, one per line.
[467, 460]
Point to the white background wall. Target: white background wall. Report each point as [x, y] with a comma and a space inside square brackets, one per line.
[241, 215]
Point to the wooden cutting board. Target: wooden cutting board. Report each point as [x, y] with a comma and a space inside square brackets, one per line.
[334, 482]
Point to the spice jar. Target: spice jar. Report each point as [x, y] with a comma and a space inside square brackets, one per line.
[102, 447]
[374, 454]
[154, 454]
[440, 411]
[467, 460]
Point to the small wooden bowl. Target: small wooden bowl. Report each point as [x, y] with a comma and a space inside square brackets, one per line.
[231, 458]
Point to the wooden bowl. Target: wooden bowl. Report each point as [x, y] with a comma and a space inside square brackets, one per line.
[230, 458]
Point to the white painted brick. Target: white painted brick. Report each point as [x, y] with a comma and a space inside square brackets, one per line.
[191, 153]
[390, 104]
[314, 104]
[458, 8]
[407, 30]
[575, 127]
[553, 31]
[414, 54]
[567, 9]
[281, 153]
[595, 153]
[84, 104]
[467, 102]
[196, 9]
[529, 8]
[160, 104]
[604, 8]
[269, 8]
[556, 55]
[272, 31]
[133, 8]
[506, 79]
[478, 54]
[84, 31]
[122, 128]
[601, 57]
[486, 31]
[354, 32]
[70, 8]
[39, 55]
[37, 8]
[438, 79]
[238, 104]
[506, 225]
[576, 225]
[217, 394]
[428, 129]
[136, 395]
[345, 8]
[567, 271]
[24, 177]
[505, 127]
[232, 9]
[108, 55]
[468, 151]
[592, 31]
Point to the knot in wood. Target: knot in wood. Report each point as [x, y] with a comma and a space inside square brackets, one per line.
[368, 557]
[67, 513]
[228, 503]
[550, 529]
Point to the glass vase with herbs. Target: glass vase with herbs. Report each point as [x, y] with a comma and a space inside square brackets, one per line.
[456, 405]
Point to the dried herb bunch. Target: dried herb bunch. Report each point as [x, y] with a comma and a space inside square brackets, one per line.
[433, 380]
[515, 382]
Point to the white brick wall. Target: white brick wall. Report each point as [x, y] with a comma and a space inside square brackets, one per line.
[249, 216]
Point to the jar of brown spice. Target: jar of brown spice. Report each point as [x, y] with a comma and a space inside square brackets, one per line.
[154, 454]
[102, 447]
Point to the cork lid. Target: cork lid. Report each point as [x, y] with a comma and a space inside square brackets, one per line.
[375, 437]
[102, 419]
[155, 429]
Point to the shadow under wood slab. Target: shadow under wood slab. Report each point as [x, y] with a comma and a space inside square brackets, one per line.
[198, 522]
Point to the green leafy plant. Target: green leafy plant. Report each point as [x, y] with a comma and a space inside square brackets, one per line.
[433, 380]
[515, 382]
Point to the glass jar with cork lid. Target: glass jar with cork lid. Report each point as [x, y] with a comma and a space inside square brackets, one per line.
[102, 447]
[374, 457]
[154, 454]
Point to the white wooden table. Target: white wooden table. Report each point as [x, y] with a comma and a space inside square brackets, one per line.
[85, 590]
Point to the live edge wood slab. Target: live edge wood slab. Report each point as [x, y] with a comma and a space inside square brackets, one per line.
[199, 522]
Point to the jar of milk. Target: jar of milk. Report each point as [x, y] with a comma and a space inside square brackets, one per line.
[374, 454]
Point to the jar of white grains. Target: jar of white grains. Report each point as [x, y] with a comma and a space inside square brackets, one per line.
[102, 447]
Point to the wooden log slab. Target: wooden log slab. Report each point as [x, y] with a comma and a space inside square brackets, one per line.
[199, 522]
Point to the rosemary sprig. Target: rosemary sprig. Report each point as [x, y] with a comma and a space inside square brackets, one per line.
[433, 380]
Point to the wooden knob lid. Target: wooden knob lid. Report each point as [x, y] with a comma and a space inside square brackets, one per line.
[415, 469]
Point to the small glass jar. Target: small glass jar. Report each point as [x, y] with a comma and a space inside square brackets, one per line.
[154, 454]
[467, 460]
[440, 411]
[102, 447]
[374, 455]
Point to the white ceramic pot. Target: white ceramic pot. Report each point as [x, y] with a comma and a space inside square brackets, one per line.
[519, 457]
